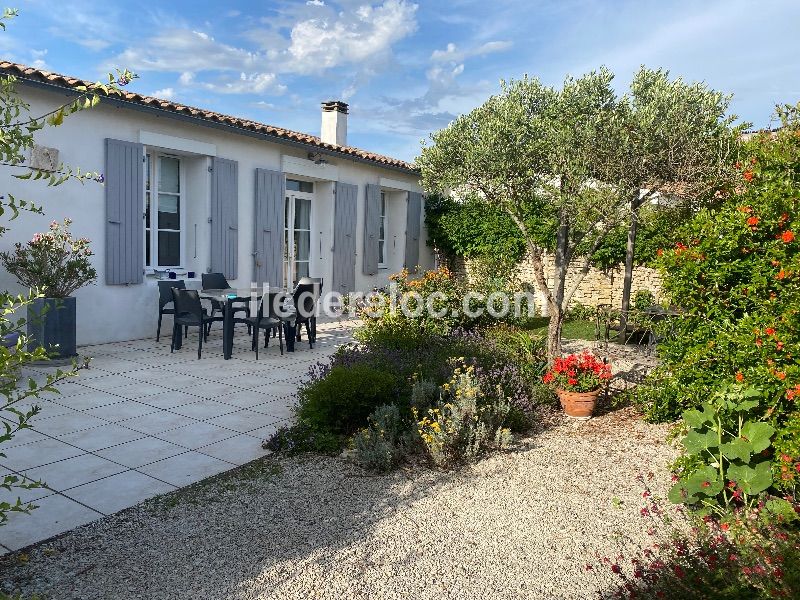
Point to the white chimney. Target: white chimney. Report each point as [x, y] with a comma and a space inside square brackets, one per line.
[334, 122]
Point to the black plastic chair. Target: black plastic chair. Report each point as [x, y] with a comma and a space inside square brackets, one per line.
[306, 296]
[271, 321]
[217, 281]
[189, 312]
[165, 298]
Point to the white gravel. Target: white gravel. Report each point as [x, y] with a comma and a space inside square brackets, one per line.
[517, 525]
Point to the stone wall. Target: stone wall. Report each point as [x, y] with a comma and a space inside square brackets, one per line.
[598, 286]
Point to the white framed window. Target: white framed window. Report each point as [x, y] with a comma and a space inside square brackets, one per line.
[382, 234]
[163, 211]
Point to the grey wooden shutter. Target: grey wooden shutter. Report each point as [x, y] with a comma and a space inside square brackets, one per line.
[269, 221]
[224, 217]
[124, 186]
[413, 228]
[344, 238]
[372, 224]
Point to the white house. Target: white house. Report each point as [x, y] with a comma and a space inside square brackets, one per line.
[192, 190]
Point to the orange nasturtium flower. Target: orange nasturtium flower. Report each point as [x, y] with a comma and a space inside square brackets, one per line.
[739, 377]
[753, 221]
[787, 236]
[748, 175]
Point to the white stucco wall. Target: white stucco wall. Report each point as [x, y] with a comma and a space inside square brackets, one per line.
[115, 313]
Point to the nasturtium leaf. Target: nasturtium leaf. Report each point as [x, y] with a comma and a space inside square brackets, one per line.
[695, 442]
[752, 480]
[678, 494]
[758, 434]
[694, 418]
[737, 448]
[746, 405]
[705, 481]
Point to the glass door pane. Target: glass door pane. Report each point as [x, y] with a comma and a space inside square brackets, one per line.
[287, 243]
[296, 240]
[302, 237]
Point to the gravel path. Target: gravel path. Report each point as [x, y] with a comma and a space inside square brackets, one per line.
[518, 525]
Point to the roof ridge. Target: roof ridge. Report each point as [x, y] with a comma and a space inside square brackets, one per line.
[32, 73]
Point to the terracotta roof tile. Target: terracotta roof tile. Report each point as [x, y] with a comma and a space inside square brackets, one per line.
[25, 72]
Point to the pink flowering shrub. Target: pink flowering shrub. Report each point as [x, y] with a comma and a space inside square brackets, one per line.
[53, 263]
[747, 552]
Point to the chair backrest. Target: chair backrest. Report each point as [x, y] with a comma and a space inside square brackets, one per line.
[165, 290]
[187, 302]
[214, 281]
[271, 306]
[305, 296]
[317, 280]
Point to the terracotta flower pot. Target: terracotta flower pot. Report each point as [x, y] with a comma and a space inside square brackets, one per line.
[578, 405]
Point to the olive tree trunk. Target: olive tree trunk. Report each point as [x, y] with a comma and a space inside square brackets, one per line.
[630, 251]
[554, 332]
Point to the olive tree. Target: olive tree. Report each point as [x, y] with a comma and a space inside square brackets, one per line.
[18, 390]
[541, 154]
[677, 146]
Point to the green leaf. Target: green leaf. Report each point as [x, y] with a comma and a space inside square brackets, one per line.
[738, 448]
[695, 442]
[704, 482]
[752, 480]
[781, 509]
[758, 434]
[695, 419]
[678, 494]
[746, 405]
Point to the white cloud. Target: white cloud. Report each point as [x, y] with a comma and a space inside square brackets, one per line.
[254, 83]
[186, 51]
[38, 59]
[363, 36]
[451, 53]
[167, 93]
[359, 37]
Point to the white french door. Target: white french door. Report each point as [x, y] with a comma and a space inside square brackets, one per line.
[296, 238]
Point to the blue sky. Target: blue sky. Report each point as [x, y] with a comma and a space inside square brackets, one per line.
[407, 68]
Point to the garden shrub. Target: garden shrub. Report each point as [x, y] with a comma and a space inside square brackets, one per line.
[724, 458]
[341, 401]
[381, 445]
[786, 466]
[580, 312]
[735, 275]
[464, 424]
[301, 437]
[366, 393]
[411, 310]
[745, 553]
[643, 299]
[396, 316]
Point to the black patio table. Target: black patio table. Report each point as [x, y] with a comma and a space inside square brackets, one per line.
[227, 298]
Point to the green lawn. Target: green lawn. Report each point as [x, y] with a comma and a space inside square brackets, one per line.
[571, 330]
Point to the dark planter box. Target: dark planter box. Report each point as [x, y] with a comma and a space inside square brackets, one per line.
[52, 325]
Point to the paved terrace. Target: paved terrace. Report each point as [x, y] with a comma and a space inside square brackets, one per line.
[142, 422]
